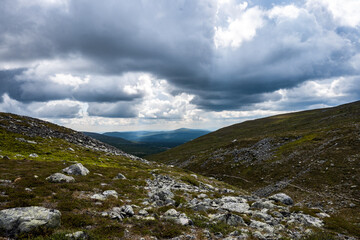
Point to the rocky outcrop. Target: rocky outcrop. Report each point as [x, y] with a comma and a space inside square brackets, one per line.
[21, 220]
[59, 178]
[33, 127]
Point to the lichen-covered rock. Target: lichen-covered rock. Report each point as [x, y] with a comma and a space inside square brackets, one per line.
[76, 169]
[109, 193]
[236, 207]
[14, 221]
[260, 204]
[283, 198]
[59, 178]
[230, 219]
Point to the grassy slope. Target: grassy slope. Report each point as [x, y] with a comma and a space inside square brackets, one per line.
[80, 213]
[321, 159]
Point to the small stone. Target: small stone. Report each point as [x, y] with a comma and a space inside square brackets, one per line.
[171, 213]
[143, 212]
[322, 215]
[194, 175]
[33, 155]
[203, 195]
[119, 176]
[77, 235]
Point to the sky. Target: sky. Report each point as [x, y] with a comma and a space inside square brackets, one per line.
[117, 65]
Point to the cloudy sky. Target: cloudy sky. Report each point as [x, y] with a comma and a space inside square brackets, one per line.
[140, 64]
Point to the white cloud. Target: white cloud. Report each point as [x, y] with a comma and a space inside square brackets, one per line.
[346, 12]
[68, 79]
[241, 24]
[284, 12]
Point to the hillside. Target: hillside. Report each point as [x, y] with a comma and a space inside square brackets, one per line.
[134, 148]
[56, 183]
[312, 155]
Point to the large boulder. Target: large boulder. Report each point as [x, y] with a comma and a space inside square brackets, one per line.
[14, 221]
[230, 219]
[283, 198]
[76, 169]
[236, 207]
[59, 178]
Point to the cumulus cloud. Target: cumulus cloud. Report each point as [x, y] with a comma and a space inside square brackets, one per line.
[51, 109]
[175, 60]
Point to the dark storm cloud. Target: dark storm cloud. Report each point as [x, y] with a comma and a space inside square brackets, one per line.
[173, 40]
[112, 110]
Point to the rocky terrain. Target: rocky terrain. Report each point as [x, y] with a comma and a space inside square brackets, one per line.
[312, 155]
[32, 127]
[58, 184]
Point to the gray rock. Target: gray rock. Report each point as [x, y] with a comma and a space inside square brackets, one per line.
[109, 193]
[79, 235]
[99, 197]
[308, 220]
[261, 226]
[33, 155]
[143, 212]
[263, 204]
[236, 207]
[230, 219]
[161, 194]
[59, 178]
[261, 215]
[76, 169]
[127, 210]
[179, 218]
[14, 221]
[171, 213]
[119, 176]
[119, 213]
[283, 198]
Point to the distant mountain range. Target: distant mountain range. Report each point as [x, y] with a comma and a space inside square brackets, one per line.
[143, 143]
[169, 138]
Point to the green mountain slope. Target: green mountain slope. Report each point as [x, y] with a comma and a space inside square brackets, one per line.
[313, 155]
[120, 196]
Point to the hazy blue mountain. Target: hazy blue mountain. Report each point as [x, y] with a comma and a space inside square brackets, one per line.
[134, 148]
[164, 138]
